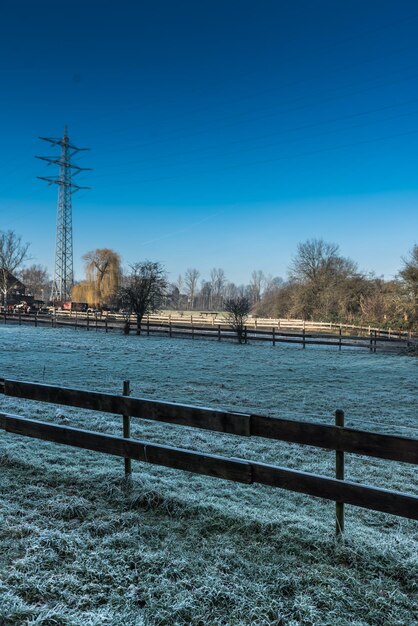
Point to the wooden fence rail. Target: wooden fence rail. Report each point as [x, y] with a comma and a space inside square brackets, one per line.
[336, 438]
[237, 470]
[391, 447]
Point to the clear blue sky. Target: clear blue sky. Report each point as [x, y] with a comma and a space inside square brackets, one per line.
[222, 132]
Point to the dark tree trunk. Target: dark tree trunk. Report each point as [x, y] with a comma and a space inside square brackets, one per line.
[138, 324]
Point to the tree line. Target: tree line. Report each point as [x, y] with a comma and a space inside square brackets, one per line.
[321, 284]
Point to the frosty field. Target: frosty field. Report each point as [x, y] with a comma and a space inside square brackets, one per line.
[78, 547]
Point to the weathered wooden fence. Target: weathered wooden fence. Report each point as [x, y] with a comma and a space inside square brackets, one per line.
[338, 438]
[153, 326]
[200, 318]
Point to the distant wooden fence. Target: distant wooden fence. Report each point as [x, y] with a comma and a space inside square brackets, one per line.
[337, 438]
[376, 340]
[199, 318]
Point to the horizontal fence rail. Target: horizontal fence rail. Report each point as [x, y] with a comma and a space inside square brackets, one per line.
[337, 438]
[389, 447]
[237, 470]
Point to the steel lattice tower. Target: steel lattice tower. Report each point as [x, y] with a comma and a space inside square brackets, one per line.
[63, 265]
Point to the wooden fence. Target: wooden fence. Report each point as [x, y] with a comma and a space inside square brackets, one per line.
[200, 318]
[376, 340]
[337, 438]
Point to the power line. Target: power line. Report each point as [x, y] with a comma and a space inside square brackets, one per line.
[179, 133]
[272, 160]
[319, 49]
[267, 145]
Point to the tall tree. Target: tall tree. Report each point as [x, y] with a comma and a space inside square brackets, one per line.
[257, 280]
[12, 254]
[143, 290]
[205, 295]
[190, 278]
[218, 282]
[321, 275]
[312, 259]
[37, 280]
[409, 276]
[102, 272]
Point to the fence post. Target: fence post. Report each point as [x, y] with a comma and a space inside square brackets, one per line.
[304, 338]
[169, 323]
[76, 320]
[371, 341]
[339, 345]
[375, 341]
[245, 334]
[219, 332]
[339, 475]
[127, 429]
[88, 321]
[95, 316]
[106, 323]
[274, 336]
[36, 319]
[148, 325]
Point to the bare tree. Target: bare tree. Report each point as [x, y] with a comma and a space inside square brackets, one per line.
[179, 283]
[237, 310]
[218, 282]
[257, 281]
[37, 280]
[409, 277]
[313, 256]
[321, 277]
[143, 290]
[190, 278]
[205, 295]
[12, 254]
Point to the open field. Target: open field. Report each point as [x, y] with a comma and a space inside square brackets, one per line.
[77, 547]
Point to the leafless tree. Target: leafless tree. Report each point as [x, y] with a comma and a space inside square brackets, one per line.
[257, 281]
[12, 254]
[37, 280]
[237, 310]
[205, 295]
[322, 278]
[180, 283]
[190, 278]
[143, 290]
[409, 277]
[218, 281]
[312, 258]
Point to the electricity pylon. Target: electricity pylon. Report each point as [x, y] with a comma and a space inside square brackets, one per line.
[63, 264]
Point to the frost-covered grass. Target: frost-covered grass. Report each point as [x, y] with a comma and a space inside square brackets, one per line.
[78, 546]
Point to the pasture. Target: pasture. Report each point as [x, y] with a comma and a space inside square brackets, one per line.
[80, 547]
